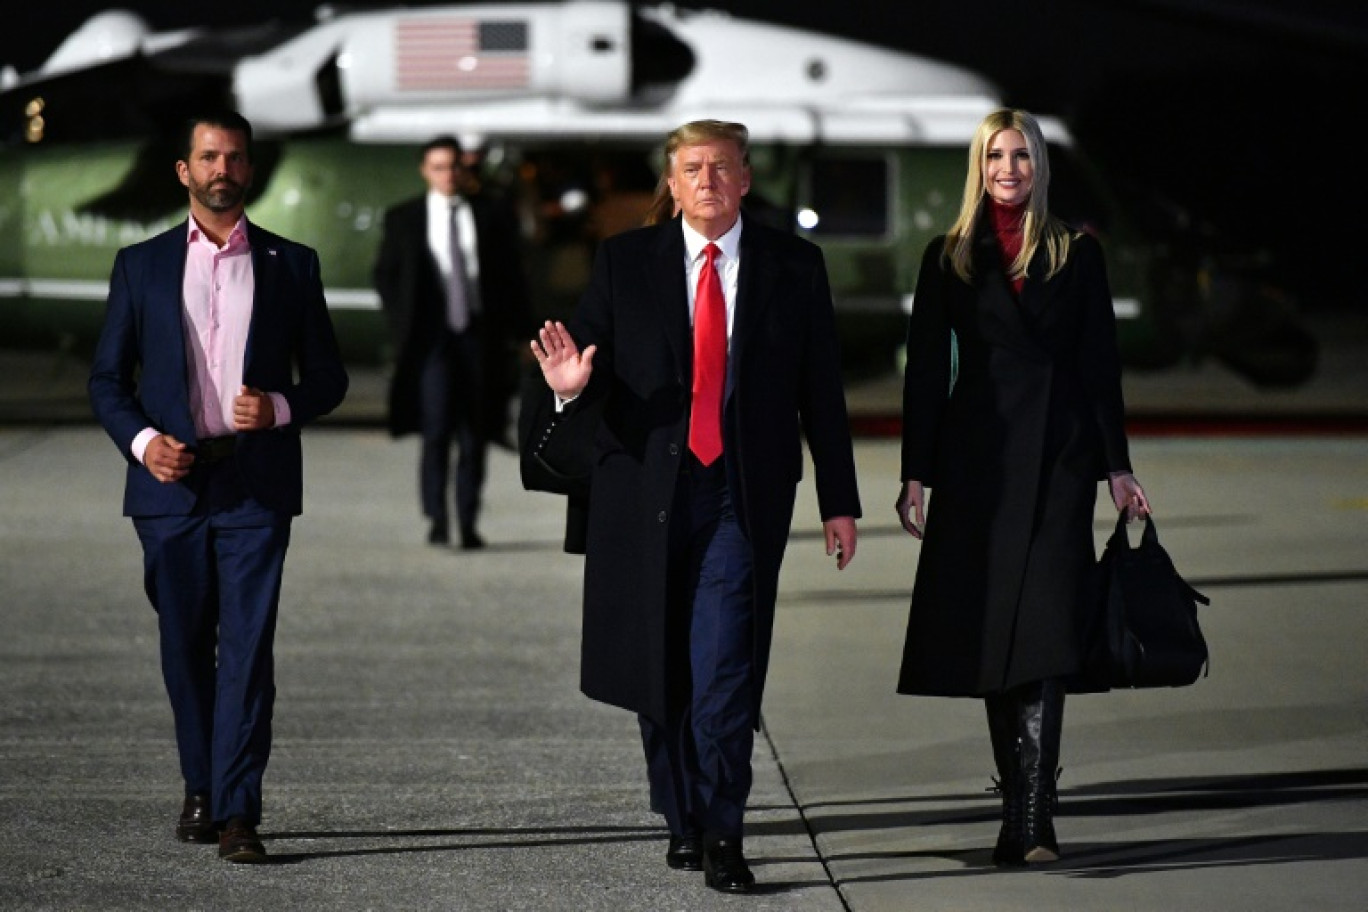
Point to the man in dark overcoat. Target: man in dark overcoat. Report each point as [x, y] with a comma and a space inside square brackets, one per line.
[449, 273]
[684, 545]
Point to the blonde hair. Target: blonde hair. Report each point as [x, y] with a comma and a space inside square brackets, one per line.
[1039, 226]
[693, 133]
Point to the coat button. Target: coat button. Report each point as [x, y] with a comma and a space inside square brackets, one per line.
[660, 517]
[674, 449]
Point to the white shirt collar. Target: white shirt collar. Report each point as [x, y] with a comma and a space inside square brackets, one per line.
[438, 201]
[729, 243]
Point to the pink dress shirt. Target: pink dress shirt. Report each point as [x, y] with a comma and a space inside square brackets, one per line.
[216, 295]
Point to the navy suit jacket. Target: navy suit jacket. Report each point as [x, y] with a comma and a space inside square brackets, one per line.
[140, 373]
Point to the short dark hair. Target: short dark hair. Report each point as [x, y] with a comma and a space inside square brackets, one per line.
[445, 141]
[224, 120]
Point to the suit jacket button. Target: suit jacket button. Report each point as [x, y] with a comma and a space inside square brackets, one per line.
[674, 449]
[660, 517]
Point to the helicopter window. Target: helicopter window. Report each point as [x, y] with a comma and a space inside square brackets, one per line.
[847, 197]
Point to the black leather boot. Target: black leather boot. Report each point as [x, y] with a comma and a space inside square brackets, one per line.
[1003, 716]
[1041, 722]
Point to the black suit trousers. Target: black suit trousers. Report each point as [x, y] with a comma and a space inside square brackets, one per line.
[451, 411]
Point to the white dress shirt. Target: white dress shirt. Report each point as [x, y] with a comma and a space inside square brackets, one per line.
[728, 265]
[439, 240]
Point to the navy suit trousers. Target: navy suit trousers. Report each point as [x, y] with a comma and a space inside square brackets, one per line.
[213, 578]
[699, 762]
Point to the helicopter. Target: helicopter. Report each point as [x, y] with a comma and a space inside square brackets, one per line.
[564, 108]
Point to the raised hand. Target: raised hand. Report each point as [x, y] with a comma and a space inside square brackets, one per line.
[564, 367]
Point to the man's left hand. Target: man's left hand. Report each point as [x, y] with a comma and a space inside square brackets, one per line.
[840, 539]
[253, 410]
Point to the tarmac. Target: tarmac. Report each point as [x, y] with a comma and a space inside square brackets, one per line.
[432, 750]
[1198, 393]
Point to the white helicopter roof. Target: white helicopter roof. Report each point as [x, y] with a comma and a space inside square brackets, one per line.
[110, 35]
[564, 70]
[579, 69]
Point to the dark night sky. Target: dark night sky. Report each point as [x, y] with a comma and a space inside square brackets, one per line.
[1228, 107]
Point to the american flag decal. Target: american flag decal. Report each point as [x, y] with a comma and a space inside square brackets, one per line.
[437, 54]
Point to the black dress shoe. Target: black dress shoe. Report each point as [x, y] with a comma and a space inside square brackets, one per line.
[471, 540]
[685, 853]
[438, 534]
[239, 843]
[725, 868]
[196, 822]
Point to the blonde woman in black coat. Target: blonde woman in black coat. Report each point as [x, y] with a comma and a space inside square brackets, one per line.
[1013, 444]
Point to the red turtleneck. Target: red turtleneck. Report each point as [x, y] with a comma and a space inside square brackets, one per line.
[1007, 225]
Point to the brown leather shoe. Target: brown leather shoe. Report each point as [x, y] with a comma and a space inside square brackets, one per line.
[196, 823]
[239, 843]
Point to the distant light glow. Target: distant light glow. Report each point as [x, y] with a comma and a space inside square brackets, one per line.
[807, 219]
[573, 200]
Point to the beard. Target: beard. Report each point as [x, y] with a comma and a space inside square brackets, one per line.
[220, 195]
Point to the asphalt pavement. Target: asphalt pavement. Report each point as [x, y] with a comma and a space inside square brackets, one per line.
[433, 752]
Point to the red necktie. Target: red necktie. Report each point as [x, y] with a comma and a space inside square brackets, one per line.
[710, 361]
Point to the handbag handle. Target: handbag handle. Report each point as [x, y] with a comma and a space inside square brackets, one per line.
[1119, 539]
[1148, 539]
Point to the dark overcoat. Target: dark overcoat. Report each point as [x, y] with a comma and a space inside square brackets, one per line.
[1012, 455]
[784, 384]
[413, 296]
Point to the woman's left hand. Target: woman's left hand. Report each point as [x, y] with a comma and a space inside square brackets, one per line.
[1127, 495]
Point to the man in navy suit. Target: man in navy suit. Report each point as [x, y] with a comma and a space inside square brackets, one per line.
[216, 349]
[703, 351]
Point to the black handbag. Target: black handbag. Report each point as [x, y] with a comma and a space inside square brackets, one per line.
[1143, 630]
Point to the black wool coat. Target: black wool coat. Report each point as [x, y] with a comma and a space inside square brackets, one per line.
[784, 386]
[1012, 456]
[413, 297]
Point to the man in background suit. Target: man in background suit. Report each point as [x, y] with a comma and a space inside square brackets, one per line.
[216, 349]
[450, 278]
[697, 456]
